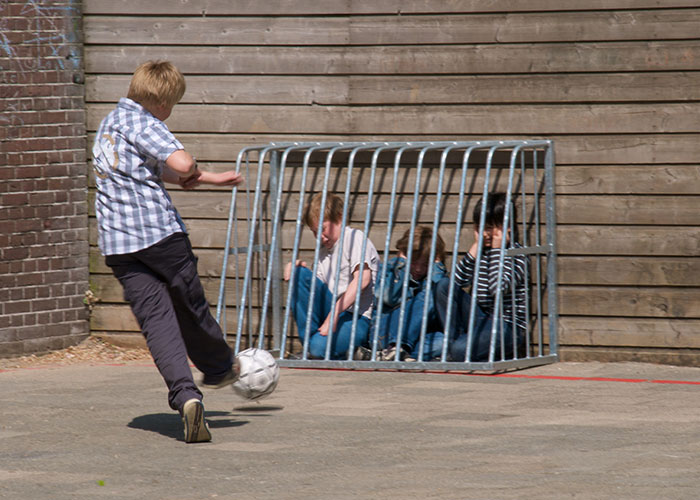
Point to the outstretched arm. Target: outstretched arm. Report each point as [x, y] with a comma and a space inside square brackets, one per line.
[228, 178]
[181, 168]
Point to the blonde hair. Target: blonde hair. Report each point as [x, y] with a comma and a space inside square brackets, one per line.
[333, 211]
[422, 239]
[157, 83]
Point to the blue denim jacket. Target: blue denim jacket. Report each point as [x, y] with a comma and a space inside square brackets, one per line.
[393, 284]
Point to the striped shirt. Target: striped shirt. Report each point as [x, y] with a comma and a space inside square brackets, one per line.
[513, 283]
[134, 210]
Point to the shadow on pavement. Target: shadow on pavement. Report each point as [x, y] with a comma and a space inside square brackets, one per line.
[170, 424]
[258, 408]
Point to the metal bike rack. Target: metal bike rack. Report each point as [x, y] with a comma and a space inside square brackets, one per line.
[379, 181]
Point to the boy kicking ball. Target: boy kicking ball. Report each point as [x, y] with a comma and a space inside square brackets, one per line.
[145, 242]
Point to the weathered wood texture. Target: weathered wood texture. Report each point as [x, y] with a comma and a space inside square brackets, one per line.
[394, 30]
[356, 7]
[633, 118]
[616, 85]
[387, 89]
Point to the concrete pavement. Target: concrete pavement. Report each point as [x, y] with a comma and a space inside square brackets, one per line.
[569, 430]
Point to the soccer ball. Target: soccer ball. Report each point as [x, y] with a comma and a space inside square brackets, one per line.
[259, 374]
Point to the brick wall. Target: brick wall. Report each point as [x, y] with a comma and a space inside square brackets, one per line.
[43, 178]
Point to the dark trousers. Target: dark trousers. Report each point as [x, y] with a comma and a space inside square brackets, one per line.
[483, 324]
[163, 289]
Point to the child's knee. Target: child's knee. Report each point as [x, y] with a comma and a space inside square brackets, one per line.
[302, 274]
[302, 285]
[317, 346]
[442, 287]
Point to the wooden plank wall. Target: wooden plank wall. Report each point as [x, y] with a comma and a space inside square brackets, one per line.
[615, 83]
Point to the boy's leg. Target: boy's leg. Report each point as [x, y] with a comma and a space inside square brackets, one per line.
[150, 302]
[206, 346]
[301, 294]
[434, 337]
[413, 321]
[481, 338]
[341, 337]
[458, 348]
[461, 308]
[482, 343]
[432, 347]
[388, 325]
[461, 303]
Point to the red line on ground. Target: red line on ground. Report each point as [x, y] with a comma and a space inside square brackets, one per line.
[599, 379]
[559, 377]
[688, 382]
[584, 379]
[520, 375]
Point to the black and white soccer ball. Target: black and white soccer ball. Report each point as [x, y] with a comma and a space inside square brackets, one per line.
[258, 375]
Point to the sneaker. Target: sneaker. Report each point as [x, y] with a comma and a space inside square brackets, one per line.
[362, 354]
[229, 378]
[391, 353]
[196, 430]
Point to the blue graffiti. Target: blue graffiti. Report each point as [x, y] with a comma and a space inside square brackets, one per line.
[59, 44]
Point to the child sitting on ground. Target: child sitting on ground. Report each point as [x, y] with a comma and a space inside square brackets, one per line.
[513, 290]
[395, 273]
[354, 273]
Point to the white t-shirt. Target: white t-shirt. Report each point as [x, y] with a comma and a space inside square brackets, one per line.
[349, 262]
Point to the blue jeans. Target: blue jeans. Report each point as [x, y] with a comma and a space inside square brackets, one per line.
[323, 300]
[432, 347]
[410, 338]
[483, 324]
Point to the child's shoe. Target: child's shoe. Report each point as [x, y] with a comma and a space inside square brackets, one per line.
[229, 378]
[196, 430]
[362, 354]
[393, 354]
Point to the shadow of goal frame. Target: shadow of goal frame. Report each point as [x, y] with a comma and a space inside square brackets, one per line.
[386, 186]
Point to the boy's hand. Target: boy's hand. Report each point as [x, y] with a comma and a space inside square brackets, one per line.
[228, 178]
[496, 237]
[475, 245]
[325, 328]
[288, 269]
[493, 237]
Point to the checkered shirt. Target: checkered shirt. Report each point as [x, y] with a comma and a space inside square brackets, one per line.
[134, 210]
